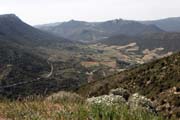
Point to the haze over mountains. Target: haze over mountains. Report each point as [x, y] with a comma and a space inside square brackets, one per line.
[89, 31]
[168, 24]
[147, 34]
[85, 31]
[91, 59]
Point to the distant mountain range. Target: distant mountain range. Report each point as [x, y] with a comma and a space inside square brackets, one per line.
[93, 31]
[89, 31]
[147, 34]
[168, 24]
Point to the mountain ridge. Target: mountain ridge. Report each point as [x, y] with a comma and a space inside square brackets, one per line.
[13, 28]
[98, 30]
[171, 24]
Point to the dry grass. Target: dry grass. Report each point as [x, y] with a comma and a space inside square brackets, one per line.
[65, 107]
[89, 64]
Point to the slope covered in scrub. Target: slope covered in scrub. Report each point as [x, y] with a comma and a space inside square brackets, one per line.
[158, 80]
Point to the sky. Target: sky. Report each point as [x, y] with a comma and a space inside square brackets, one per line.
[48, 11]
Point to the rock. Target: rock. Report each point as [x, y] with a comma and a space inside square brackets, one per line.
[107, 99]
[137, 101]
[121, 92]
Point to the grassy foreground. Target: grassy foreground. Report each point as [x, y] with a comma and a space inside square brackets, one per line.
[62, 109]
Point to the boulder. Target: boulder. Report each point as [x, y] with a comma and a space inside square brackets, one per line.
[137, 101]
[121, 92]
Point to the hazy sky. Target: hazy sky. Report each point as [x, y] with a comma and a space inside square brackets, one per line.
[47, 11]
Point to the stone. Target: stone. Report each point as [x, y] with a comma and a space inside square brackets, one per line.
[121, 92]
[137, 101]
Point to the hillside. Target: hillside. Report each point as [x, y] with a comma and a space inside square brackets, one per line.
[158, 80]
[28, 56]
[14, 29]
[168, 41]
[89, 31]
[167, 24]
[18, 64]
[24, 60]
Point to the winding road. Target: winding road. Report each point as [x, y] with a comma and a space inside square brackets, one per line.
[52, 69]
[27, 82]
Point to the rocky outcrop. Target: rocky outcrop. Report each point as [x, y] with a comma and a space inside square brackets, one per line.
[137, 101]
[122, 96]
[121, 92]
[107, 99]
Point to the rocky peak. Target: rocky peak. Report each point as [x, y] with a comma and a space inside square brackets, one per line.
[9, 17]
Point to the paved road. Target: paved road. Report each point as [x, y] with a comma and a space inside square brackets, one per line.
[27, 82]
[52, 69]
